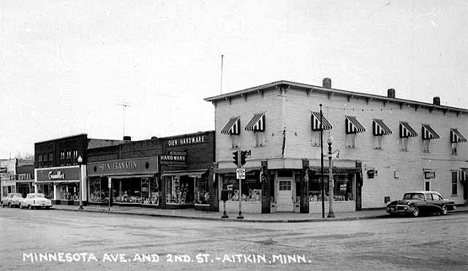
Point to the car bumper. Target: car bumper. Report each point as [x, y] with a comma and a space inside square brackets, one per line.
[41, 205]
[399, 209]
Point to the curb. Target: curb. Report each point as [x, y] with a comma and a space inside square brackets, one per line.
[232, 220]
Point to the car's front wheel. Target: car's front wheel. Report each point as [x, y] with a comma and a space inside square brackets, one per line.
[444, 210]
[415, 211]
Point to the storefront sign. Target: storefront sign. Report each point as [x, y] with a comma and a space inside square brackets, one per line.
[3, 170]
[58, 174]
[179, 158]
[186, 141]
[147, 165]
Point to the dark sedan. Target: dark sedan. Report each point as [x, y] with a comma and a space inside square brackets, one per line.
[419, 202]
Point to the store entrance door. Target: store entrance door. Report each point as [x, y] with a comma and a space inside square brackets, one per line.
[285, 195]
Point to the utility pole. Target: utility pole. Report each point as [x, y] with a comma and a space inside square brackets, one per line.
[124, 106]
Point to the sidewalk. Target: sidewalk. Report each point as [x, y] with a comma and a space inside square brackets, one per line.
[248, 217]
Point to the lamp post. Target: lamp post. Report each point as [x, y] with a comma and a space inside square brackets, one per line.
[330, 178]
[80, 162]
[321, 160]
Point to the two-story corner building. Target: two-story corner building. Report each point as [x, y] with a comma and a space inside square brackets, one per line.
[167, 172]
[381, 146]
[58, 172]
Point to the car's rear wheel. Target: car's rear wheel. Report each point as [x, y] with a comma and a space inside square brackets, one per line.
[444, 210]
[415, 211]
[9, 204]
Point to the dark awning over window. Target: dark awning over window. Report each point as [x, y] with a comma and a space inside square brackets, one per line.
[428, 133]
[353, 126]
[316, 122]
[456, 136]
[379, 128]
[406, 130]
[232, 127]
[257, 123]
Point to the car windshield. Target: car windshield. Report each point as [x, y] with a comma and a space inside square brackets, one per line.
[16, 196]
[38, 196]
[414, 196]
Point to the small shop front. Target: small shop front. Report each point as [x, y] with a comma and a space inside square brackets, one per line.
[59, 184]
[129, 182]
[187, 189]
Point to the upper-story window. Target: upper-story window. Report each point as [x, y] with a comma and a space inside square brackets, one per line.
[379, 129]
[353, 127]
[428, 134]
[406, 131]
[455, 138]
[318, 122]
[257, 125]
[232, 128]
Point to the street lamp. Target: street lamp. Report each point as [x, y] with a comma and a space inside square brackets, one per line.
[330, 178]
[80, 162]
[321, 160]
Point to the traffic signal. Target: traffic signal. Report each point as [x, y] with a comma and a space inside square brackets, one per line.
[235, 157]
[243, 156]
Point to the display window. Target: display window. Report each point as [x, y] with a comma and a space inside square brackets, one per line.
[202, 194]
[69, 191]
[47, 189]
[251, 188]
[342, 190]
[99, 191]
[180, 190]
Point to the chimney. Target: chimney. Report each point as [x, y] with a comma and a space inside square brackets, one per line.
[436, 101]
[127, 138]
[391, 93]
[326, 83]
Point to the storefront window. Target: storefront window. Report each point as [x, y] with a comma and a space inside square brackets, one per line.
[47, 189]
[202, 194]
[99, 191]
[127, 190]
[68, 191]
[342, 190]
[180, 190]
[251, 188]
[150, 191]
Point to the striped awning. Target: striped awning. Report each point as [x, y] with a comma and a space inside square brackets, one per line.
[456, 136]
[379, 128]
[428, 133]
[406, 130]
[232, 127]
[257, 123]
[316, 122]
[353, 126]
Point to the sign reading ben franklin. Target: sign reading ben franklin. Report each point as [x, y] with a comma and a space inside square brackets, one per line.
[147, 165]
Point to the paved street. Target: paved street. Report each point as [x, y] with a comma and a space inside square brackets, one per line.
[64, 240]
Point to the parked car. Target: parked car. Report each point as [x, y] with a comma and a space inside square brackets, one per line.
[35, 200]
[419, 202]
[12, 199]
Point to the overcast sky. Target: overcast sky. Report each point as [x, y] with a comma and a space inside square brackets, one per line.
[66, 66]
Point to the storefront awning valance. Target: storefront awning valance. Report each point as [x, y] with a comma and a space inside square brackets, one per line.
[428, 133]
[232, 127]
[233, 170]
[257, 123]
[456, 136]
[406, 130]
[335, 169]
[379, 128]
[316, 122]
[353, 126]
[191, 173]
